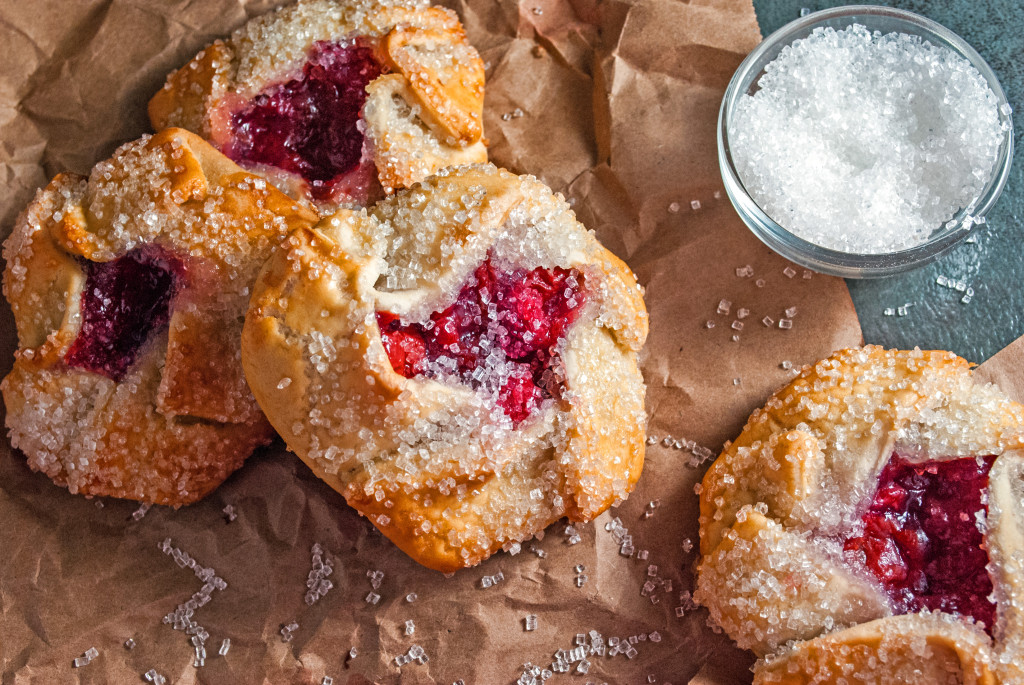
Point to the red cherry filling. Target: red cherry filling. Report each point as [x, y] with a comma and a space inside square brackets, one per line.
[123, 301]
[503, 323]
[310, 125]
[921, 537]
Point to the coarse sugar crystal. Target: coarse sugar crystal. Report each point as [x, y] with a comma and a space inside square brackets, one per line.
[866, 143]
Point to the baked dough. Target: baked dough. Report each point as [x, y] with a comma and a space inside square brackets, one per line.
[778, 504]
[129, 289]
[424, 99]
[433, 459]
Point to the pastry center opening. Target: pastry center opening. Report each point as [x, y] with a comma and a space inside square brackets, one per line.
[123, 302]
[500, 334]
[310, 125]
[923, 536]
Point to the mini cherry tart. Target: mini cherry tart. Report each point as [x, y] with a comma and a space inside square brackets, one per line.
[335, 103]
[458, 361]
[867, 520]
[128, 289]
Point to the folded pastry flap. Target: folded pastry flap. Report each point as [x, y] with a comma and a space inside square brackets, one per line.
[405, 147]
[202, 372]
[181, 101]
[446, 76]
[43, 284]
[799, 592]
[784, 471]
[446, 531]
[913, 649]
[431, 259]
[606, 431]
[1006, 545]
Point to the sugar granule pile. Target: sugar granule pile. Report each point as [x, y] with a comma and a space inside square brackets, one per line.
[866, 143]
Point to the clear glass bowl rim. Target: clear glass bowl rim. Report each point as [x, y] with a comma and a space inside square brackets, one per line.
[836, 262]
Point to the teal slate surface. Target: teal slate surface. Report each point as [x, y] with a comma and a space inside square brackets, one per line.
[994, 265]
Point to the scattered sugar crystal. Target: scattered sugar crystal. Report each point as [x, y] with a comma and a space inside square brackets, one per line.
[768, 321]
[889, 311]
[724, 306]
[141, 511]
[673, 208]
[352, 653]
[152, 676]
[225, 645]
[709, 324]
[229, 512]
[789, 272]
[410, 627]
[735, 338]
[804, 11]
[286, 631]
[790, 312]
[531, 622]
[327, 680]
[372, 598]
[737, 325]
[807, 274]
[581, 580]
[785, 324]
[760, 283]
[694, 205]
[129, 643]
[742, 313]
[942, 280]
[744, 271]
[411, 597]
[642, 555]
[897, 133]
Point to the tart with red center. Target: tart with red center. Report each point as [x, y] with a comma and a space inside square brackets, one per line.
[336, 101]
[866, 526]
[129, 289]
[459, 361]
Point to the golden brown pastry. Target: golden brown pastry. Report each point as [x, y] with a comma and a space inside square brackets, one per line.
[459, 361]
[336, 101]
[129, 289]
[870, 516]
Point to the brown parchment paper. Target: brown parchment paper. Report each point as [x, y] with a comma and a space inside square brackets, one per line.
[614, 104]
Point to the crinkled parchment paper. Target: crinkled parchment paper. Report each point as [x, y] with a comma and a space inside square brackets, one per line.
[614, 104]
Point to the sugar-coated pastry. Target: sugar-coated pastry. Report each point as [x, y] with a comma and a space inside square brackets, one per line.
[336, 101]
[459, 361]
[129, 289]
[871, 516]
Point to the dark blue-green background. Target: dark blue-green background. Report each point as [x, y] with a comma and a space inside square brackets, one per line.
[992, 265]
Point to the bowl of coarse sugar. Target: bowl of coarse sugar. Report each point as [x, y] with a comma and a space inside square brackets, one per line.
[864, 141]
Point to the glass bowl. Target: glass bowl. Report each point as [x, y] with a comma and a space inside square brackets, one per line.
[835, 262]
